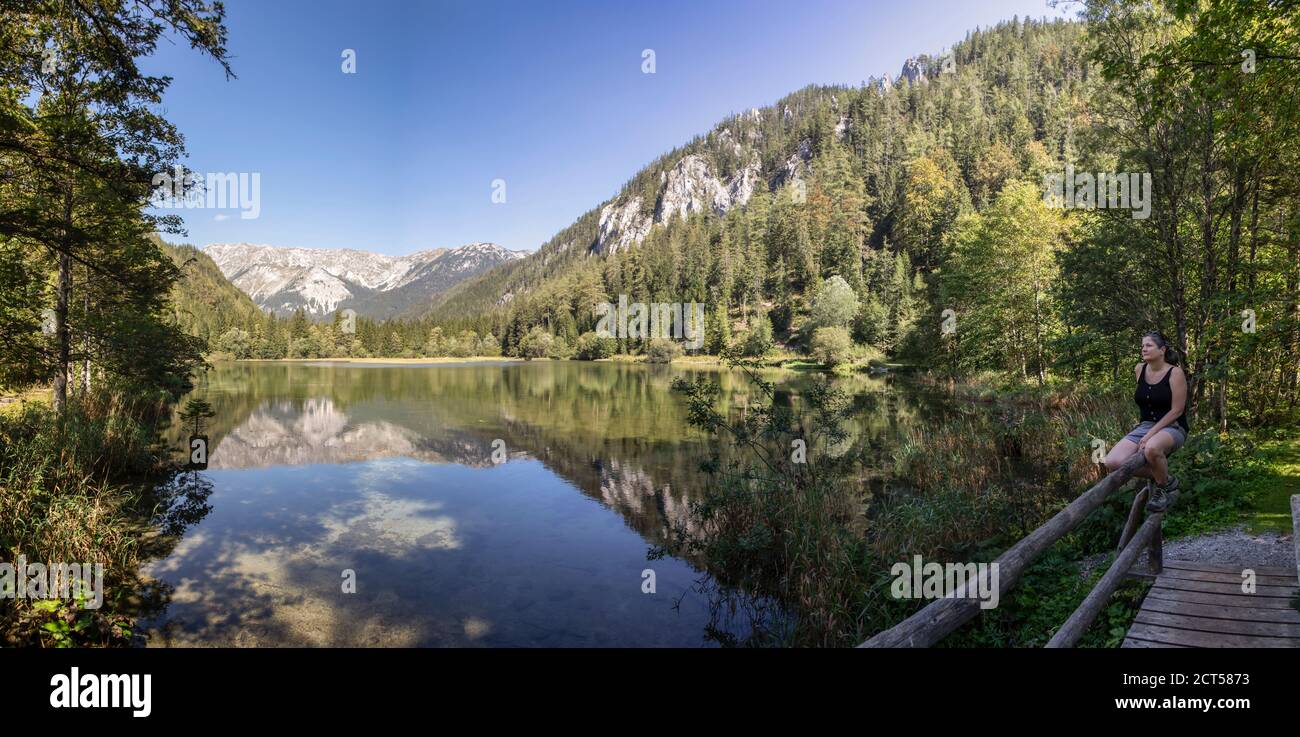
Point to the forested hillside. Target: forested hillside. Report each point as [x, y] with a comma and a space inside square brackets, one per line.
[859, 182]
[205, 304]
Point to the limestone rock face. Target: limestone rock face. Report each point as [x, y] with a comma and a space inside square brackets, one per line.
[621, 225]
[690, 186]
[914, 71]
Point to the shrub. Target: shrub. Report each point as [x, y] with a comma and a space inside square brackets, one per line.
[662, 350]
[88, 486]
[489, 346]
[559, 349]
[758, 341]
[593, 347]
[536, 343]
[832, 346]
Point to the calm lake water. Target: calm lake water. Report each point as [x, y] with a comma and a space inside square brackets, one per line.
[388, 472]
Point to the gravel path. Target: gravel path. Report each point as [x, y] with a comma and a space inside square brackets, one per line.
[1234, 546]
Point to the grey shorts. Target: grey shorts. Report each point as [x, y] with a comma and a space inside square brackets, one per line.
[1142, 428]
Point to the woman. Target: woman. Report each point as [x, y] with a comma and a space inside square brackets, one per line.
[1161, 397]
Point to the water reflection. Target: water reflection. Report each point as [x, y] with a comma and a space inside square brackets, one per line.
[387, 472]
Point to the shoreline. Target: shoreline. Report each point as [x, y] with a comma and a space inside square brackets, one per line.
[378, 361]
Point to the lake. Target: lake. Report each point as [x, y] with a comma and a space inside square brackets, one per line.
[490, 504]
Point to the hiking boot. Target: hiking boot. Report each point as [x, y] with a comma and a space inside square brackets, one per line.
[1158, 496]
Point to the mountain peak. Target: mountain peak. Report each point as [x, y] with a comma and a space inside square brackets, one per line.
[322, 280]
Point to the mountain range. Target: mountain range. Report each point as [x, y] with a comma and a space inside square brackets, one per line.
[323, 280]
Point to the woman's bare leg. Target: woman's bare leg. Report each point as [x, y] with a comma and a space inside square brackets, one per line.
[1157, 452]
[1122, 451]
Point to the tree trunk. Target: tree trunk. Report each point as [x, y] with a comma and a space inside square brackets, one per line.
[1239, 189]
[1293, 328]
[62, 335]
[85, 348]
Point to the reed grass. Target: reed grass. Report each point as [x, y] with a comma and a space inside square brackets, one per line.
[79, 488]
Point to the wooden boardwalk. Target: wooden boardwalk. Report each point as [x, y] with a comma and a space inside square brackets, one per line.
[1203, 605]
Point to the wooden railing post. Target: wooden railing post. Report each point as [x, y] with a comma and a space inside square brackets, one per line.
[1156, 552]
[1134, 518]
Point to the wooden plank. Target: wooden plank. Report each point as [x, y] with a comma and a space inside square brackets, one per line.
[1192, 638]
[1228, 578]
[1248, 614]
[1226, 626]
[1231, 589]
[1131, 642]
[1227, 567]
[1156, 548]
[1200, 597]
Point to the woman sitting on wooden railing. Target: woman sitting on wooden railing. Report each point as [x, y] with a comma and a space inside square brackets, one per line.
[1162, 426]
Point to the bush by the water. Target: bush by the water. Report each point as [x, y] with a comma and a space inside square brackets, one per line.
[593, 347]
[662, 350]
[832, 346]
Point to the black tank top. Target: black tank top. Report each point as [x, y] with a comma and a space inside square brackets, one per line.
[1155, 400]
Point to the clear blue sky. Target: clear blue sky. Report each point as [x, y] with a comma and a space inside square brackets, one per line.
[547, 95]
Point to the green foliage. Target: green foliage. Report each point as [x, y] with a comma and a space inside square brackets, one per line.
[999, 282]
[80, 146]
[559, 349]
[235, 343]
[206, 305]
[758, 341]
[79, 486]
[488, 346]
[536, 344]
[1181, 105]
[593, 347]
[832, 346]
[662, 350]
[197, 411]
[1051, 589]
[834, 305]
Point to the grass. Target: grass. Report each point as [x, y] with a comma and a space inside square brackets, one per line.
[1268, 490]
[84, 488]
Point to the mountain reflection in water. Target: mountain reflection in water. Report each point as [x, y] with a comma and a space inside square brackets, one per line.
[388, 472]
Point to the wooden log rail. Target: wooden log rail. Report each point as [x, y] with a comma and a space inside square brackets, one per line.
[937, 619]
